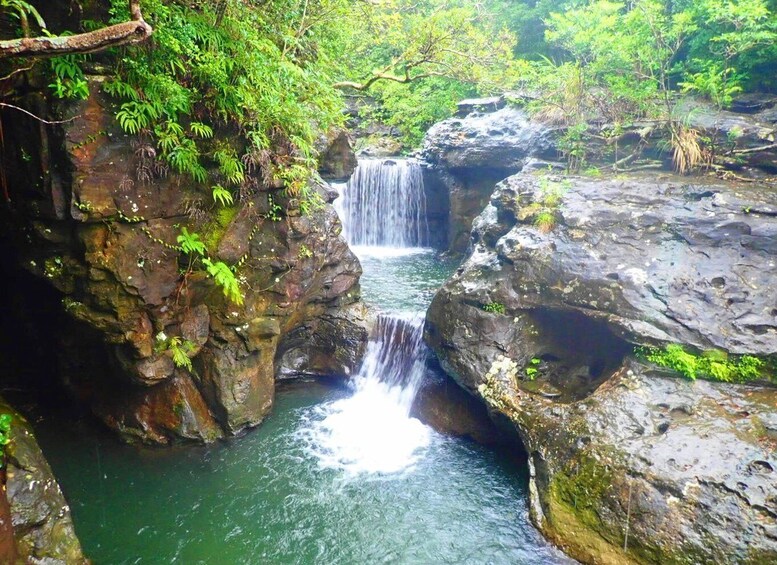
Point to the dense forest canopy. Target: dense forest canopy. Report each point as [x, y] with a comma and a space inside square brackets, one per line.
[278, 71]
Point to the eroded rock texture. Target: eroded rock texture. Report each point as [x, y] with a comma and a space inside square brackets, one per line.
[42, 525]
[541, 322]
[467, 156]
[96, 215]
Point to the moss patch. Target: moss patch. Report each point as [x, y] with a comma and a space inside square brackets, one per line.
[215, 229]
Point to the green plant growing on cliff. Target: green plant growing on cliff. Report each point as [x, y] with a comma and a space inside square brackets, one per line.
[545, 210]
[180, 349]
[191, 244]
[225, 278]
[69, 79]
[494, 308]
[713, 365]
[533, 369]
[5, 436]
[222, 196]
[258, 71]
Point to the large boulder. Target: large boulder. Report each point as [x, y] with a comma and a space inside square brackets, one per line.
[97, 217]
[466, 156]
[42, 524]
[566, 276]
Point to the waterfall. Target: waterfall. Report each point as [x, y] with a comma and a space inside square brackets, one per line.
[383, 210]
[384, 204]
[372, 431]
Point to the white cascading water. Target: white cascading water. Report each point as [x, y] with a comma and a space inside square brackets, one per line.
[384, 205]
[372, 431]
[383, 210]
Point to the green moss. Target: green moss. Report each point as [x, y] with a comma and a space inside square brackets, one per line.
[581, 487]
[216, 228]
[711, 365]
[178, 408]
[53, 267]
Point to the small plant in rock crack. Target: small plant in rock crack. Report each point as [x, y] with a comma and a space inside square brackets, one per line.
[533, 370]
[180, 349]
[545, 210]
[494, 308]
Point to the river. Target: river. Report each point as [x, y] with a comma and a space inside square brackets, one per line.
[337, 474]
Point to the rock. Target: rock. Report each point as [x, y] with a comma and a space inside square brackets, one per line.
[337, 160]
[490, 104]
[43, 526]
[752, 103]
[111, 258]
[331, 345]
[749, 136]
[541, 322]
[686, 468]
[466, 157]
[500, 141]
[449, 410]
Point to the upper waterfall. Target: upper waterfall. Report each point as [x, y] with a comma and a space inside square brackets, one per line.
[384, 204]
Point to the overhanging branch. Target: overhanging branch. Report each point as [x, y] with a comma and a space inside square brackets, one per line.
[126, 33]
[383, 76]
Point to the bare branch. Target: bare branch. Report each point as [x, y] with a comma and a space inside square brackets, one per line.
[11, 106]
[125, 33]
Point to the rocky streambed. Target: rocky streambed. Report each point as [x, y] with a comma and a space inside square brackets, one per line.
[629, 462]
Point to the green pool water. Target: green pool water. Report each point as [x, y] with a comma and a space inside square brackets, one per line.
[275, 496]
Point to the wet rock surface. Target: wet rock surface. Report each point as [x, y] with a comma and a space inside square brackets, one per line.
[672, 470]
[100, 223]
[43, 527]
[489, 140]
[541, 322]
[465, 158]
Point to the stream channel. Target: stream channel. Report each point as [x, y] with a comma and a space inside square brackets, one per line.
[336, 474]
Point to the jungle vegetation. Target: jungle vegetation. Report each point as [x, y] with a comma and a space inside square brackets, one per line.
[279, 70]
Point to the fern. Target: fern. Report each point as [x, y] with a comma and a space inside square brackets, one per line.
[22, 10]
[180, 348]
[185, 158]
[120, 89]
[230, 166]
[222, 196]
[190, 243]
[201, 130]
[137, 115]
[236, 74]
[226, 279]
[69, 79]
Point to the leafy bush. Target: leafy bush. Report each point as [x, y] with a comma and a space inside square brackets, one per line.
[230, 65]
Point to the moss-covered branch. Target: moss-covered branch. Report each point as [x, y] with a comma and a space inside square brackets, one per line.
[125, 33]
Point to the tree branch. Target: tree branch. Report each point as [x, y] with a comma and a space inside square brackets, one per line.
[361, 86]
[13, 107]
[126, 33]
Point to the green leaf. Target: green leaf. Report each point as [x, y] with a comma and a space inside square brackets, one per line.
[222, 196]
